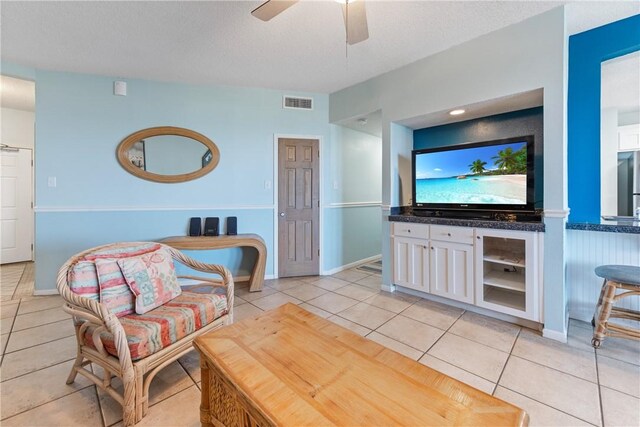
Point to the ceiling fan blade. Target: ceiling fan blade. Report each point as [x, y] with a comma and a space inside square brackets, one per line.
[357, 29]
[271, 8]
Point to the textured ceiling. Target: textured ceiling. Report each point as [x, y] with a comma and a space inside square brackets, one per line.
[219, 42]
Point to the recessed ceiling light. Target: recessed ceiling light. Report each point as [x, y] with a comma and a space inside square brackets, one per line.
[456, 112]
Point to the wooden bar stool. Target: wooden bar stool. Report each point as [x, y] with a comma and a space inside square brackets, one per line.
[627, 278]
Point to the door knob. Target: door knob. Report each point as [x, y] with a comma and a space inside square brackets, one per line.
[281, 213]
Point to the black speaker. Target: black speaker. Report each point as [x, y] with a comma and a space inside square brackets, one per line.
[212, 226]
[232, 226]
[195, 226]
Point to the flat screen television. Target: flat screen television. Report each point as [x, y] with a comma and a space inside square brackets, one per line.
[493, 175]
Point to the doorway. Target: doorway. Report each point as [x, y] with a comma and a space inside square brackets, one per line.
[16, 177]
[298, 207]
[16, 219]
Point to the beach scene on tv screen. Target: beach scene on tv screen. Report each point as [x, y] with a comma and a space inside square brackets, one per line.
[481, 175]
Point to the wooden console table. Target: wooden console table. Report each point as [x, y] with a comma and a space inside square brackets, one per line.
[223, 242]
[289, 367]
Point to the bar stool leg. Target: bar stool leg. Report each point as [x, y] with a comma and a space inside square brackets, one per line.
[595, 315]
[602, 314]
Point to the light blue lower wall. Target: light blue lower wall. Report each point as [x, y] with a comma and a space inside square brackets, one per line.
[360, 231]
[63, 234]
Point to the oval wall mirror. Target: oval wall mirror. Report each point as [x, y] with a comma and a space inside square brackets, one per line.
[168, 154]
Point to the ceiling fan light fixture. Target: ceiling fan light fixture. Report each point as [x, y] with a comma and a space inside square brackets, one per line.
[456, 112]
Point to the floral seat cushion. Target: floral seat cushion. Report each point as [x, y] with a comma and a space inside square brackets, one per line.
[159, 328]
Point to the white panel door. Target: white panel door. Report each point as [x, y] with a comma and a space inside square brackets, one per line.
[411, 263]
[452, 271]
[16, 196]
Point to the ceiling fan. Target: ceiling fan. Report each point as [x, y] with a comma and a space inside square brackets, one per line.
[355, 16]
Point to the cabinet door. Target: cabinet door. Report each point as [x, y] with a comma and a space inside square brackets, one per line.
[411, 263]
[506, 272]
[452, 271]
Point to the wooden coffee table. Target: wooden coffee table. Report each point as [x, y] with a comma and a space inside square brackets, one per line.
[288, 367]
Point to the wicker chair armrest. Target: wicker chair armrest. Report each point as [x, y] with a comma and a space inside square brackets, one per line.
[222, 271]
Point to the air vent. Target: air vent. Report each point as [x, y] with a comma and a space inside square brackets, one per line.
[297, 103]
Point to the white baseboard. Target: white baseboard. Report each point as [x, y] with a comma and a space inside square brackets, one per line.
[558, 335]
[350, 265]
[555, 335]
[388, 288]
[45, 292]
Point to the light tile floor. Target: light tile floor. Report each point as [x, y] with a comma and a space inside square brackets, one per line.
[557, 384]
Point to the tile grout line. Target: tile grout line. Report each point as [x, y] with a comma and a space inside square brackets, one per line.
[41, 324]
[621, 392]
[555, 369]
[18, 282]
[36, 370]
[445, 332]
[506, 361]
[35, 345]
[595, 354]
[49, 401]
[103, 419]
[547, 405]
[462, 369]
[185, 368]
[621, 360]
[13, 321]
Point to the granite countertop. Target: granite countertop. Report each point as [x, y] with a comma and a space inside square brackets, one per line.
[501, 225]
[632, 227]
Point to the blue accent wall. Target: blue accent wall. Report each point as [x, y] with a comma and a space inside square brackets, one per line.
[587, 50]
[507, 125]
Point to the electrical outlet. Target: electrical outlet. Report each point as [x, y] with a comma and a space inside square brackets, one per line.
[51, 181]
[267, 185]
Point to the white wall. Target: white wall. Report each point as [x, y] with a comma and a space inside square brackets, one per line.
[526, 56]
[354, 198]
[18, 127]
[609, 162]
[586, 251]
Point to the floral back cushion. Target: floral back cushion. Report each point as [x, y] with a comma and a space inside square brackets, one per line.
[114, 292]
[83, 280]
[152, 279]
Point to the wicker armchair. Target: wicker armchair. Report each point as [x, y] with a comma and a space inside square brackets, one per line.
[93, 320]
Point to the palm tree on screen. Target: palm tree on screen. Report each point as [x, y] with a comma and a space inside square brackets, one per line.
[506, 159]
[477, 166]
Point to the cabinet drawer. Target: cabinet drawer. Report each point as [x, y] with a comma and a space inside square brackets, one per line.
[452, 234]
[420, 231]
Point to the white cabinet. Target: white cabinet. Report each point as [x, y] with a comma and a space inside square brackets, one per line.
[494, 269]
[411, 255]
[452, 270]
[411, 263]
[507, 272]
[629, 138]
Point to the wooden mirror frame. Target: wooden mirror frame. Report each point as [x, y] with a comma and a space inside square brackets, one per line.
[128, 142]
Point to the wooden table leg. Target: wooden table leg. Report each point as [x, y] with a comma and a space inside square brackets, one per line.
[257, 275]
[205, 413]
